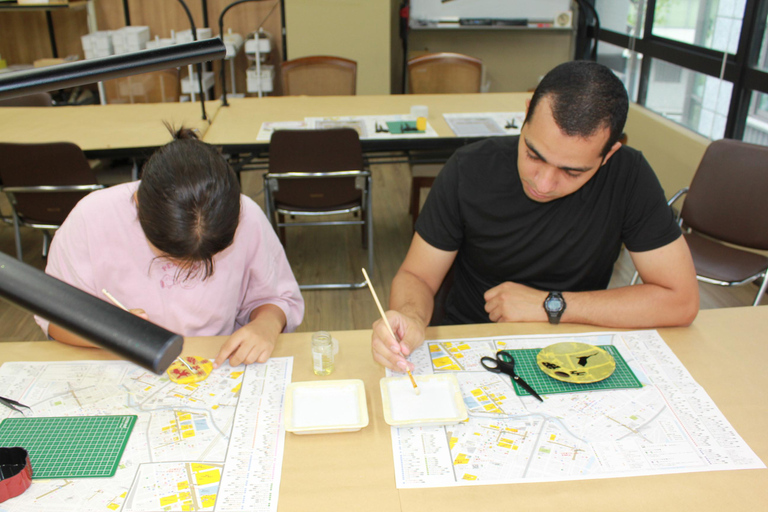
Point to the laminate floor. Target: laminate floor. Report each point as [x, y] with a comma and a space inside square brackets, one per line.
[318, 254]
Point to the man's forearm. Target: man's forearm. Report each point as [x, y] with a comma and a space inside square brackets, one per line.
[412, 297]
[639, 306]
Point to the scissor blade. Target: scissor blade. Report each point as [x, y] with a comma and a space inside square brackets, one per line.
[528, 388]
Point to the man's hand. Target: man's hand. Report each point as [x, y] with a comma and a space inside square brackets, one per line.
[391, 353]
[246, 345]
[513, 302]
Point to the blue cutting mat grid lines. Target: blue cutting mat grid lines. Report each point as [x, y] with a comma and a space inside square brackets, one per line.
[72, 446]
[528, 369]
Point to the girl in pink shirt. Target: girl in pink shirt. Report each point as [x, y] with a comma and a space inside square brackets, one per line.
[184, 249]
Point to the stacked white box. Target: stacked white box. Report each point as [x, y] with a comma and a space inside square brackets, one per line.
[97, 44]
[157, 42]
[189, 86]
[263, 83]
[185, 36]
[260, 45]
[130, 39]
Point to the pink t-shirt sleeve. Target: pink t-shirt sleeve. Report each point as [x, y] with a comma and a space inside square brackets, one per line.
[269, 278]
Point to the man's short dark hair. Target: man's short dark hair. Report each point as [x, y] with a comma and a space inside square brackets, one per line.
[585, 97]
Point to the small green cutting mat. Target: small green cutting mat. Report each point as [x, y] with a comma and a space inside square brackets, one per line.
[72, 446]
[527, 368]
[397, 127]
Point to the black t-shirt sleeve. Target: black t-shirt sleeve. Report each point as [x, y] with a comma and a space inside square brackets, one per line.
[440, 222]
[649, 222]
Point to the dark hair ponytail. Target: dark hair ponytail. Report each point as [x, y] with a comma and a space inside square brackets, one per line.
[189, 203]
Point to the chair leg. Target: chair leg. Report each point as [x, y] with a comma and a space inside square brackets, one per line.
[280, 229]
[761, 291]
[46, 243]
[17, 235]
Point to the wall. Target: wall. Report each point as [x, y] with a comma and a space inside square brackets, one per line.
[353, 29]
[673, 151]
[513, 59]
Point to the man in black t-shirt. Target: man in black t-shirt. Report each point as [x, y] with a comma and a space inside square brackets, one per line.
[533, 225]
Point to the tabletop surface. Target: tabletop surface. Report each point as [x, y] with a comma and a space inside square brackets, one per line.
[240, 122]
[103, 127]
[723, 350]
[113, 127]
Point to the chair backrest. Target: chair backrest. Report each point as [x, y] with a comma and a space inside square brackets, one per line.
[316, 151]
[49, 164]
[440, 73]
[319, 75]
[727, 198]
[38, 99]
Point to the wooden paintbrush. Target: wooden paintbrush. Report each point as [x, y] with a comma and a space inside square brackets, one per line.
[386, 322]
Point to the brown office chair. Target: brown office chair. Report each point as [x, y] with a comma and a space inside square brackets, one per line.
[38, 99]
[319, 172]
[319, 75]
[725, 207]
[441, 73]
[437, 73]
[43, 183]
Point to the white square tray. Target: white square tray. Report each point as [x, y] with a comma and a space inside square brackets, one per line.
[325, 407]
[439, 401]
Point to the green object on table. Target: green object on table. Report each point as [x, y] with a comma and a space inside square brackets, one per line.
[398, 127]
[527, 368]
[70, 447]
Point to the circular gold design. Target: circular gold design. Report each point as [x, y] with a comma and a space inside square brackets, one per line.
[580, 363]
[179, 373]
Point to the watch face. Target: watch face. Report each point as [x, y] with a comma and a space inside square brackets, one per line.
[554, 304]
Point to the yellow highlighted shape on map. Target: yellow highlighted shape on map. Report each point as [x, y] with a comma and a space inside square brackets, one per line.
[208, 477]
[461, 459]
[467, 476]
[182, 485]
[208, 500]
[113, 506]
[168, 500]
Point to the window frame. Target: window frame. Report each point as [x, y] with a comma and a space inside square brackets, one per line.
[740, 69]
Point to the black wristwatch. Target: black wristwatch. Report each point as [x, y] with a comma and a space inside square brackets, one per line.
[554, 305]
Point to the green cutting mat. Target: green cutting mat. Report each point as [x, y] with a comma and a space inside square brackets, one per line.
[70, 447]
[397, 127]
[527, 368]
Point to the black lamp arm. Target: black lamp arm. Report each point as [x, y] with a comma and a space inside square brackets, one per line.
[105, 68]
[118, 331]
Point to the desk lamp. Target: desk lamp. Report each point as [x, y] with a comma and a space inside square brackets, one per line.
[108, 326]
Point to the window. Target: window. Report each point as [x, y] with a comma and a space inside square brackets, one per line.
[701, 63]
[714, 24]
[623, 62]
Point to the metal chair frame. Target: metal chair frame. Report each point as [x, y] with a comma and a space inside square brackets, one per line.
[271, 182]
[18, 221]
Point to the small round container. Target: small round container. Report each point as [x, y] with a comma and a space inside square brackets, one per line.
[322, 353]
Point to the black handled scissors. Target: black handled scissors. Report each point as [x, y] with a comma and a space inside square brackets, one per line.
[505, 363]
[13, 404]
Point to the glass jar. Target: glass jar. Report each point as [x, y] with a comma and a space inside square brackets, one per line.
[322, 353]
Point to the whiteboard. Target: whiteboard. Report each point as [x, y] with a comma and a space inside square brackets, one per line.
[434, 10]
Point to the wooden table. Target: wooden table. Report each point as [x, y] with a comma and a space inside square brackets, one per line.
[237, 126]
[725, 351]
[104, 131]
